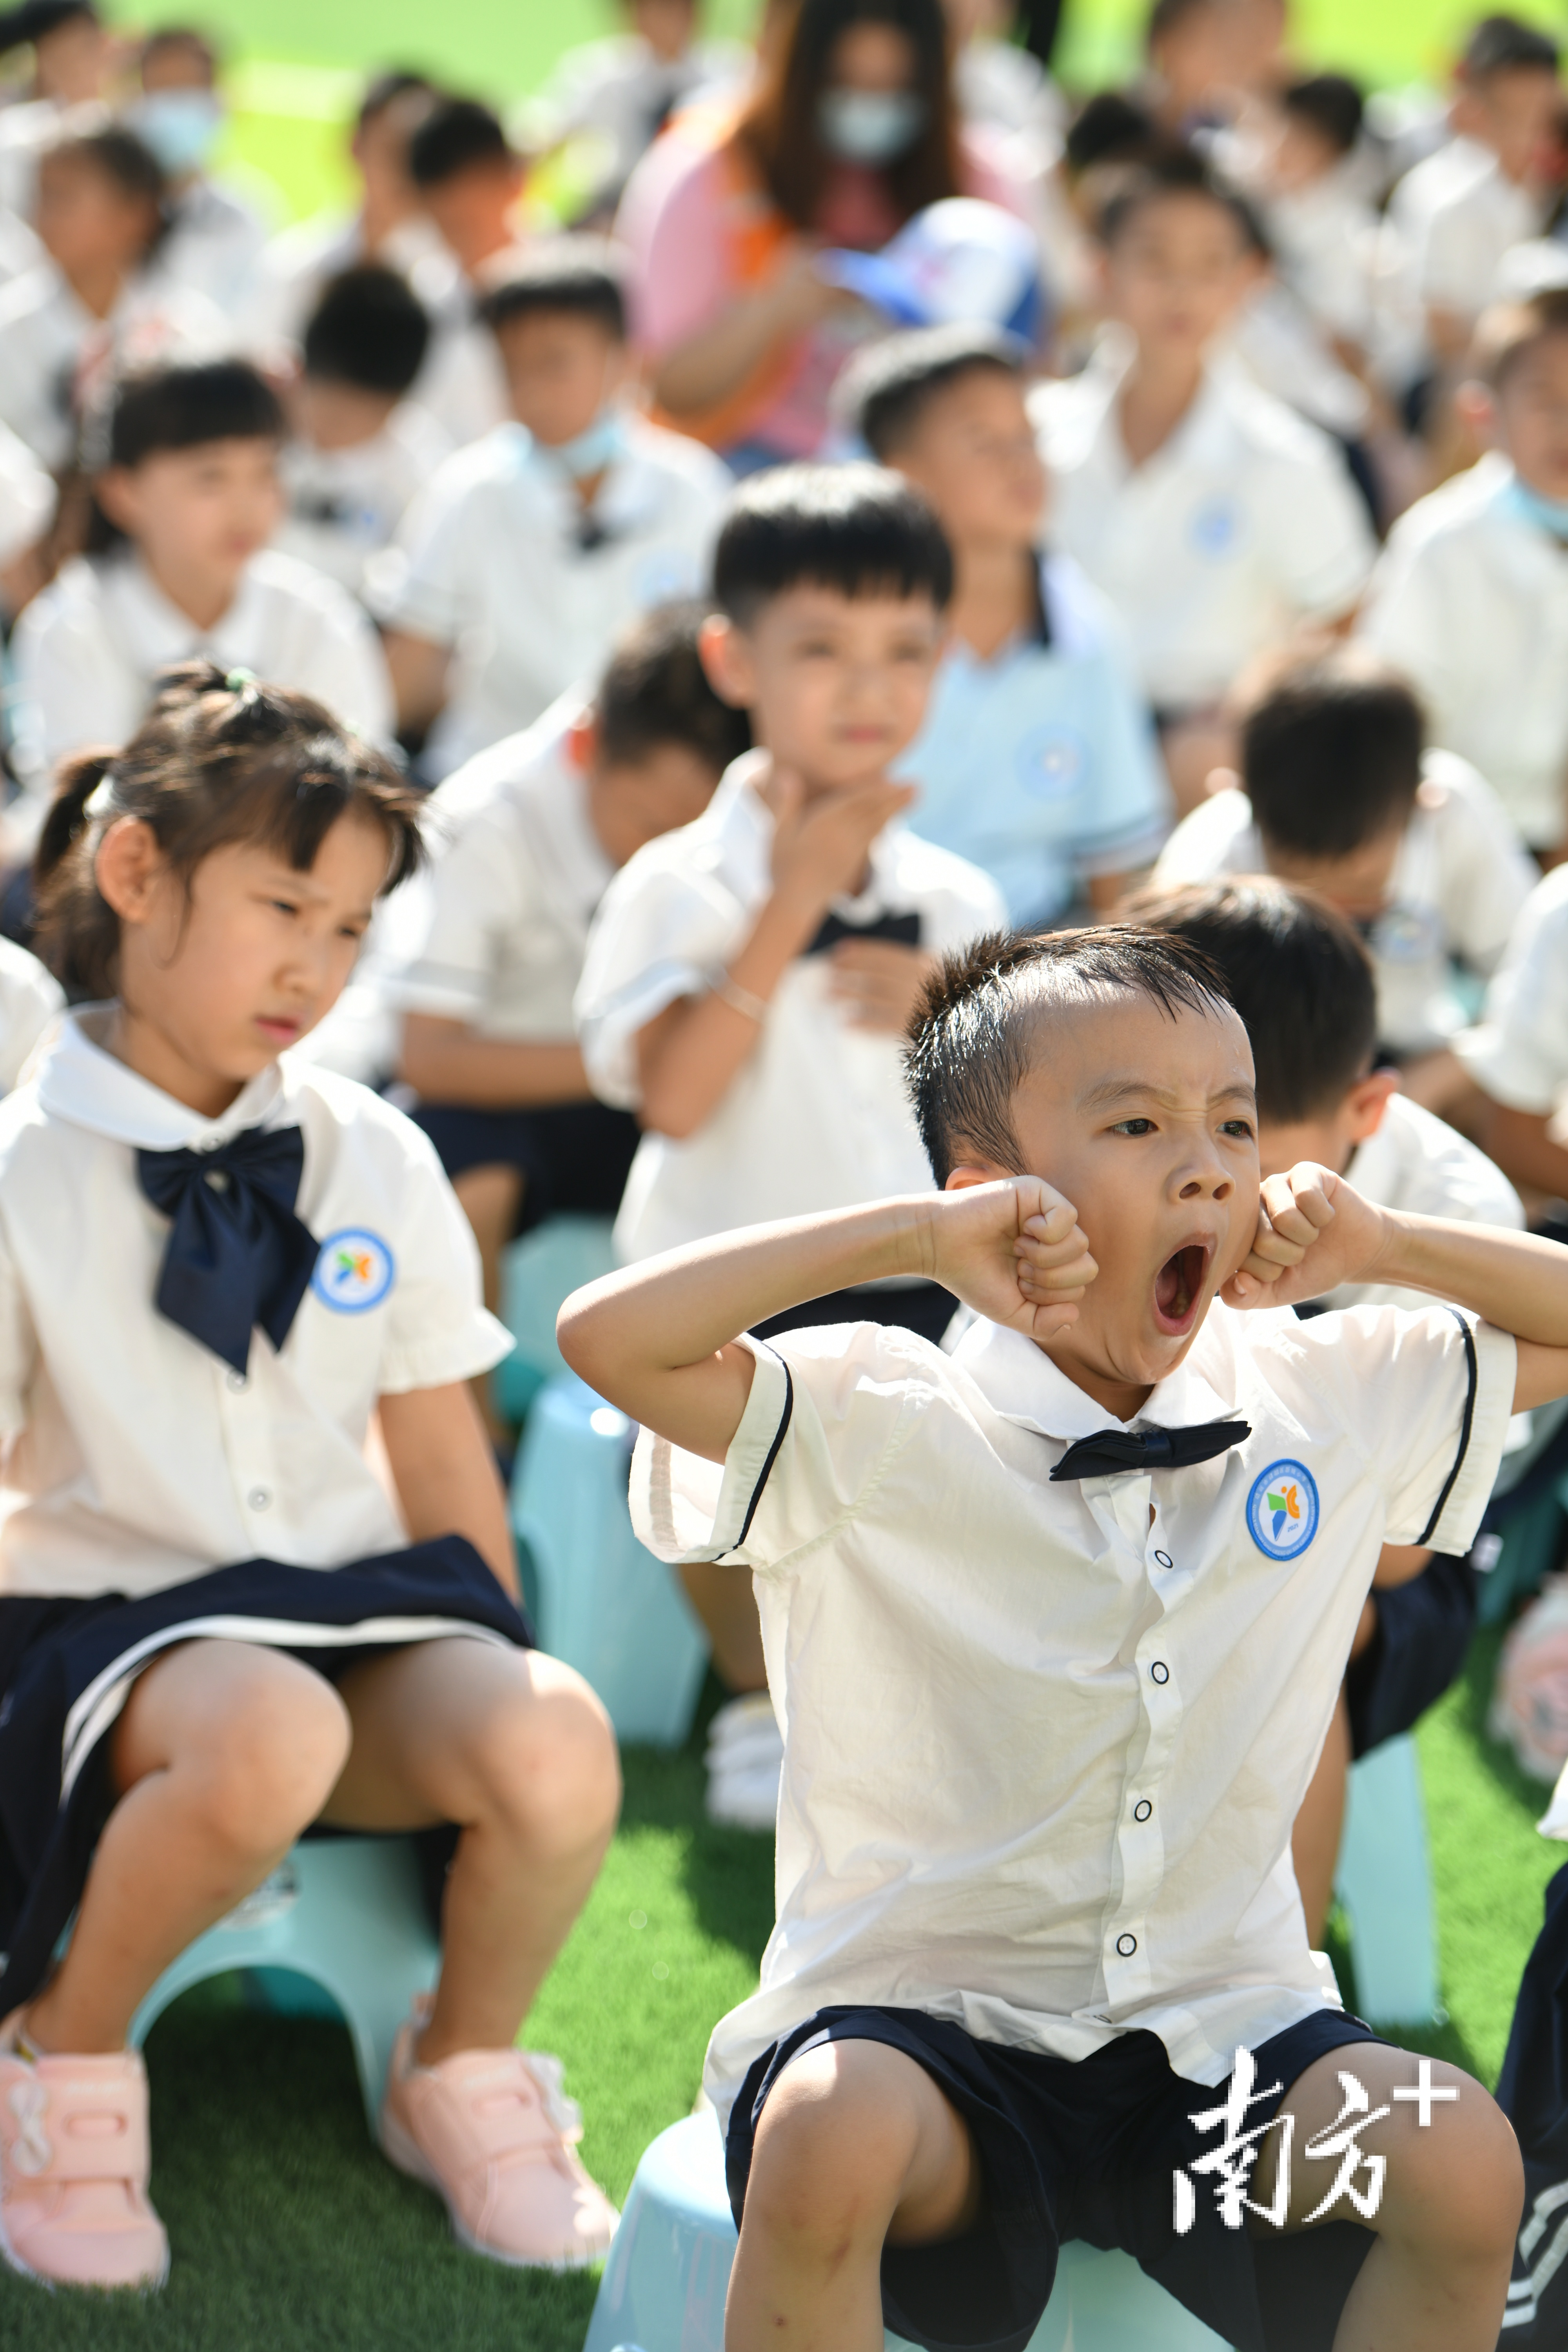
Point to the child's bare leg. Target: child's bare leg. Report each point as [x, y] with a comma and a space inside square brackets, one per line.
[224, 1753]
[1436, 2279]
[728, 1609]
[515, 1748]
[856, 2145]
[1315, 1840]
[490, 1198]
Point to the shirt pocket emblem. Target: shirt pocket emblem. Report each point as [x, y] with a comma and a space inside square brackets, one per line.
[1052, 763]
[1215, 528]
[1282, 1510]
[355, 1270]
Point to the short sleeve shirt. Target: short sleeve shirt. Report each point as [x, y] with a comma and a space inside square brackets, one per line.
[31, 999]
[1044, 1744]
[1242, 524]
[1039, 764]
[137, 1459]
[1418, 1164]
[1518, 1050]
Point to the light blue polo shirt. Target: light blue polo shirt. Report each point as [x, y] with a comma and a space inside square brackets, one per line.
[1041, 766]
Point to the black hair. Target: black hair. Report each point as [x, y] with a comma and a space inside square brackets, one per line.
[1330, 753]
[1329, 104]
[655, 691]
[1169, 15]
[857, 529]
[1298, 975]
[87, 134]
[179, 408]
[456, 133]
[368, 329]
[384, 90]
[1109, 128]
[586, 276]
[975, 1036]
[1177, 170]
[179, 37]
[1510, 332]
[884, 392]
[1505, 45]
[218, 759]
[35, 19]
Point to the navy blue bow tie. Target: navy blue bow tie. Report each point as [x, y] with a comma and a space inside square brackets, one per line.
[1110, 1450]
[236, 1255]
[903, 930]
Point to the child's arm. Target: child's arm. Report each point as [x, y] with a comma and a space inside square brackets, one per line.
[1315, 1230]
[418, 667]
[660, 1340]
[690, 1055]
[445, 1472]
[450, 1062]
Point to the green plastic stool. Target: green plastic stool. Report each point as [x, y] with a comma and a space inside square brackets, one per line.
[539, 1273]
[342, 1917]
[1384, 1886]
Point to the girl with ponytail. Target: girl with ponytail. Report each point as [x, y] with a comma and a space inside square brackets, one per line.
[218, 1266]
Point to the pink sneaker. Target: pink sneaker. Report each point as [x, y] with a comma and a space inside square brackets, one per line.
[74, 2209]
[491, 2133]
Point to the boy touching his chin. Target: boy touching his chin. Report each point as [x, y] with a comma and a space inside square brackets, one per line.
[1055, 1627]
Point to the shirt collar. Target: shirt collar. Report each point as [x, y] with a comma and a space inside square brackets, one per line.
[159, 633]
[79, 1080]
[742, 819]
[1019, 1379]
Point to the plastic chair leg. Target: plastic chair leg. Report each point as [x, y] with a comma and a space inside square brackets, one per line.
[1384, 1884]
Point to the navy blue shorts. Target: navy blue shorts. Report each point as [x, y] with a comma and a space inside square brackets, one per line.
[1086, 2149]
[572, 1157]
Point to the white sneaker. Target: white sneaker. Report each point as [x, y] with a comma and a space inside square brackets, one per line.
[745, 1760]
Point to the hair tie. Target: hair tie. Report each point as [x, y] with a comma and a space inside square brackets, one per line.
[101, 800]
[240, 681]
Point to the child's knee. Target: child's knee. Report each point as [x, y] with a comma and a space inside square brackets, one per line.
[547, 1757]
[1458, 2185]
[834, 2148]
[268, 1766]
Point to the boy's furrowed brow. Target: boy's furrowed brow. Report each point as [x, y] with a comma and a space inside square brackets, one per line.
[1110, 1092]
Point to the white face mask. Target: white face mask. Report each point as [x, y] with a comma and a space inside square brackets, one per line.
[869, 126]
[181, 126]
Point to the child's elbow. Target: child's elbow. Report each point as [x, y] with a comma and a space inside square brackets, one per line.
[579, 1335]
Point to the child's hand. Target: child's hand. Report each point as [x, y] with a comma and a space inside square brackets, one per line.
[876, 983]
[1314, 1232]
[821, 845]
[1014, 1251]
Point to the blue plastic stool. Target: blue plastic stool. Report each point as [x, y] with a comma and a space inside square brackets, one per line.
[664, 2283]
[606, 1605]
[1384, 1886]
[347, 1914]
[538, 1275]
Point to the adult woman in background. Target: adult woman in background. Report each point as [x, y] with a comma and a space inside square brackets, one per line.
[849, 131]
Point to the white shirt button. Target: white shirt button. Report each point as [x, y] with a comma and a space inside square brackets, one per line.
[1160, 1672]
[1163, 1558]
[1141, 1810]
[235, 1380]
[1127, 1945]
[258, 1498]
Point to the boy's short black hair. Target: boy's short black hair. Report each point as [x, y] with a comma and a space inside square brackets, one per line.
[456, 135]
[1177, 171]
[35, 19]
[883, 393]
[1109, 128]
[177, 408]
[1330, 753]
[655, 691]
[384, 90]
[857, 529]
[369, 329]
[975, 1037]
[1509, 332]
[1329, 104]
[1506, 45]
[1298, 975]
[586, 276]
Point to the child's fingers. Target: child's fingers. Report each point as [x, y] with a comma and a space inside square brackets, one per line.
[1069, 1259]
[1296, 1205]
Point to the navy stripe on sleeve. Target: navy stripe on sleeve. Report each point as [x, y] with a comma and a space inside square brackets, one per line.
[1441, 1504]
[779, 1436]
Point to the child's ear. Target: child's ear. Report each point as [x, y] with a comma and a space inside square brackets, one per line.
[959, 1180]
[127, 867]
[583, 740]
[1367, 1103]
[115, 490]
[1475, 403]
[726, 656]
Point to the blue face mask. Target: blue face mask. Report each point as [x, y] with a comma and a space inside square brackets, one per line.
[1547, 514]
[869, 126]
[181, 126]
[591, 452]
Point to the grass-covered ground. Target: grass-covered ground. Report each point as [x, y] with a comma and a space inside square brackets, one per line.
[291, 2235]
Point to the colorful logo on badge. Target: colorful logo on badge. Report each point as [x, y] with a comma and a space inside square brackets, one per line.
[1053, 762]
[353, 1271]
[1282, 1510]
[1216, 527]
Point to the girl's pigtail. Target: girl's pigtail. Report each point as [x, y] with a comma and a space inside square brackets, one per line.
[78, 933]
[68, 818]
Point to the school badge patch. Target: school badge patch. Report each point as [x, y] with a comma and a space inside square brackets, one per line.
[1282, 1510]
[353, 1271]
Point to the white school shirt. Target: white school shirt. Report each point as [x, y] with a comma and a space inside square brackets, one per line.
[489, 562]
[1416, 1162]
[1470, 599]
[519, 872]
[346, 505]
[1460, 883]
[49, 342]
[1044, 1745]
[817, 1116]
[1324, 238]
[1460, 216]
[213, 243]
[31, 1000]
[1245, 523]
[27, 498]
[89, 648]
[138, 1458]
[297, 264]
[1518, 1052]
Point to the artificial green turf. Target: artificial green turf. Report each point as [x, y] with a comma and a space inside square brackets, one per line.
[289, 2234]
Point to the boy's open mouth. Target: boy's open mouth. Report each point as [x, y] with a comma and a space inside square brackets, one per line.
[1178, 1285]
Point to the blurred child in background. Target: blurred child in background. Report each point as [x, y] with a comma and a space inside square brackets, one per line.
[215, 235]
[517, 568]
